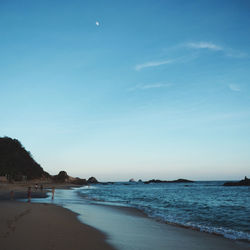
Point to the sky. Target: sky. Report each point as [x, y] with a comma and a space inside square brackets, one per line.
[128, 89]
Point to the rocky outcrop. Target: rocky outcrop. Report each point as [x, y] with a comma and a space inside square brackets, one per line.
[175, 181]
[182, 181]
[79, 181]
[244, 182]
[16, 163]
[61, 177]
[92, 180]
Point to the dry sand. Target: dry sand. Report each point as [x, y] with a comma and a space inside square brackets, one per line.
[32, 226]
[29, 226]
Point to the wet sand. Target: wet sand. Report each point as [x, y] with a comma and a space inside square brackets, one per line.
[131, 229]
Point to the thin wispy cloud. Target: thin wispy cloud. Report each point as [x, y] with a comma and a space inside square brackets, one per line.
[150, 86]
[152, 64]
[229, 52]
[236, 54]
[234, 87]
[204, 45]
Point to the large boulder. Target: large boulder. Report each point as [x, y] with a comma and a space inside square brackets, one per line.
[92, 180]
[61, 177]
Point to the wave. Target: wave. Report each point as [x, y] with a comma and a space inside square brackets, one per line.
[167, 211]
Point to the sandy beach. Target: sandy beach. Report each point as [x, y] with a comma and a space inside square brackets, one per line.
[31, 226]
[25, 225]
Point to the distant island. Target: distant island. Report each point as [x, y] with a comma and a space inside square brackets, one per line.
[244, 182]
[17, 164]
[175, 181]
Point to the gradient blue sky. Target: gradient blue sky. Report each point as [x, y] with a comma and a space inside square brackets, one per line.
[160, 89]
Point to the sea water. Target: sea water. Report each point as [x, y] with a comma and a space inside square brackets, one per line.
[205, 206]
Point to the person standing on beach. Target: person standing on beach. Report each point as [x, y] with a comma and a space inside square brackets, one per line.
[53, 193]
[29, 194]
[11, 194]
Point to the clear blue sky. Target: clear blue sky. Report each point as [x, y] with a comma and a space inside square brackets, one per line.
[159, 89]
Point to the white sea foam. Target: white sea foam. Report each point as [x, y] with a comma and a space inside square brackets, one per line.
[204, 206]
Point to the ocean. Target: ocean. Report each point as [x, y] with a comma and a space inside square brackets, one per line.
[207, 206]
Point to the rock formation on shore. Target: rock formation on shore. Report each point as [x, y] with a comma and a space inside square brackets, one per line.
[92, 180]
[244, 182]
[63, 177]
[17, 163]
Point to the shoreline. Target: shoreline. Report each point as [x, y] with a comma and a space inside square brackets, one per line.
[131, 228]
[140, 213]
[45, 226]
[30, 225]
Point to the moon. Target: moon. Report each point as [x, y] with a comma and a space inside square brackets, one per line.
[97, 23]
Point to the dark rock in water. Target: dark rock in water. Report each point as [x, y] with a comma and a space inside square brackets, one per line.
[92, 180]
[182, 181]
[16, 163]
[140, 181]
[107, 183]
[132, 180]
[175, 181]
[244, 182]
[154, 181]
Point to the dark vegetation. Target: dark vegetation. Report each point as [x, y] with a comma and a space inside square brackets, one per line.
[16, 163]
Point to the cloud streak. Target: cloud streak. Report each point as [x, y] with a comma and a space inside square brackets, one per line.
[234, 87]
[152, 64]
[150, 86]
[229, 52]
[204, 45]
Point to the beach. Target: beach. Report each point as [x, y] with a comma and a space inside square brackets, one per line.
[31, 226]
[42, 225]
